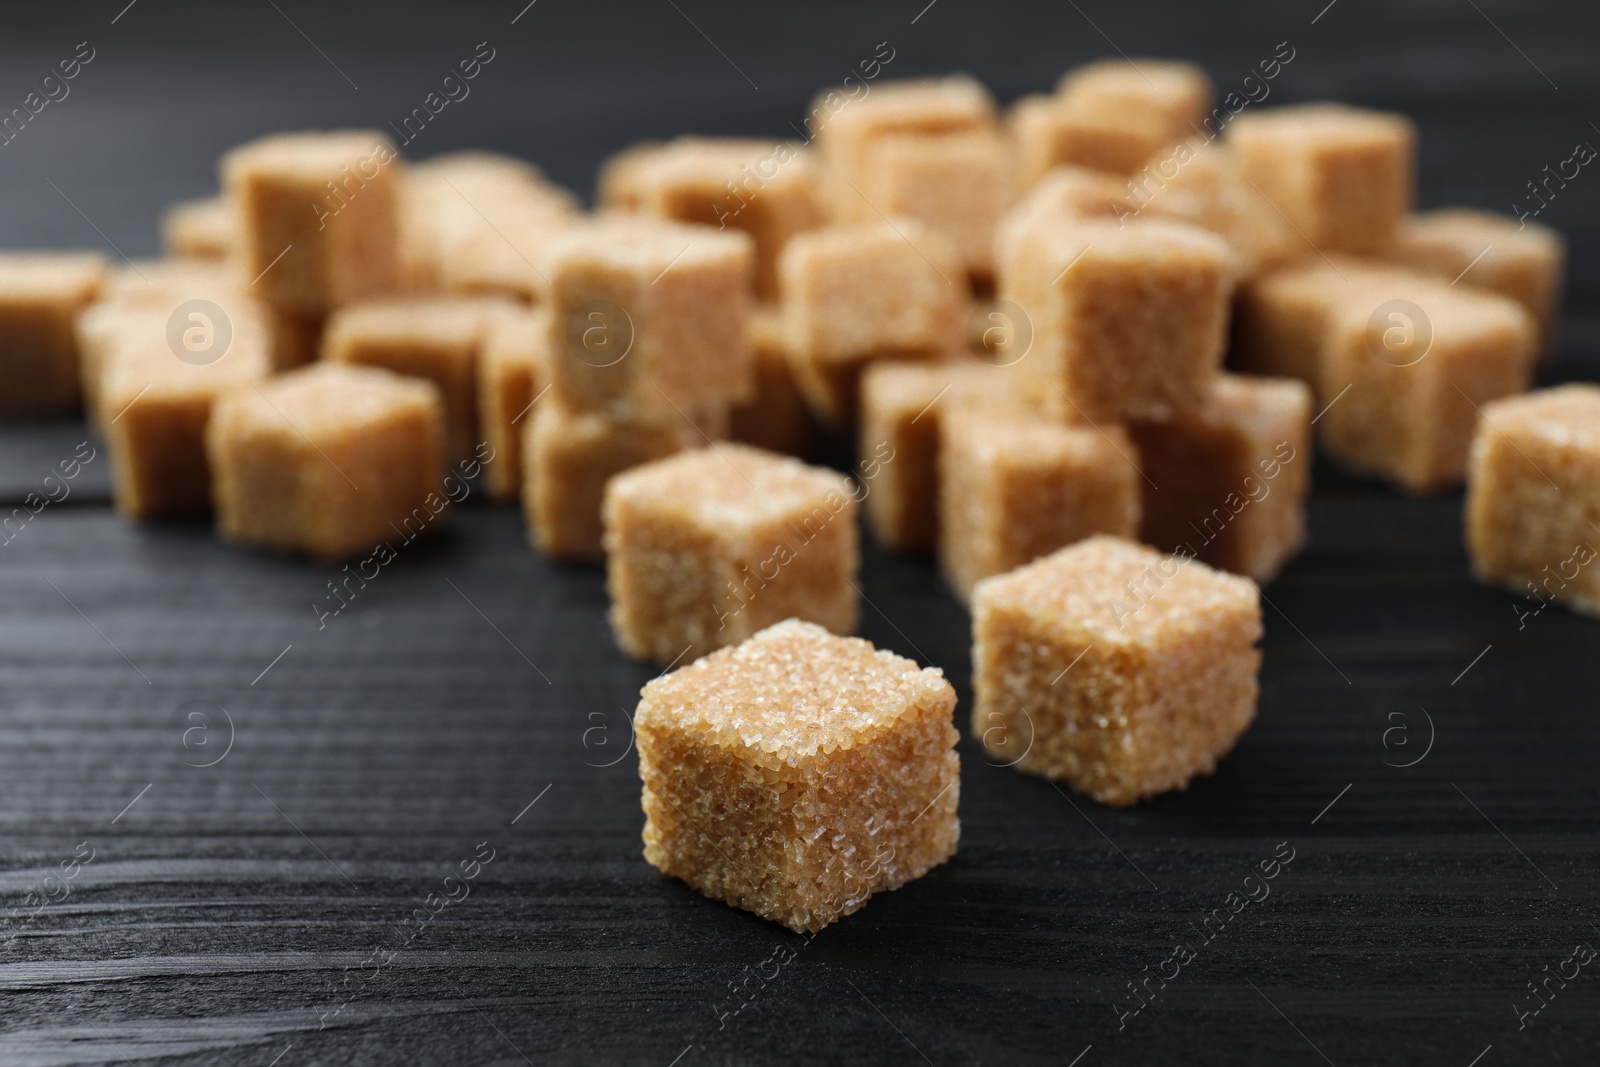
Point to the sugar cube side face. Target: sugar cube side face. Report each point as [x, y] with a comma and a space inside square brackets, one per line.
[1128, 322]
[1013, 488]
[568, 456]
[768, 189]
[903, 405]
[1228, 483]
[333, 461]
[438, 339]
[649, 319]
[155, 408]
[1117, 669]
[957, 184]
[707, 547]
[844, 129]
[513, 373]
[1415, 371]
[319, 216]
[777, 417]
[1282, 316]
[1533, 498]
[855, 294]
[41, 295]
[799, 773]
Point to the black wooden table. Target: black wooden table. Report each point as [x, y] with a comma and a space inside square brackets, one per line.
[251, 818]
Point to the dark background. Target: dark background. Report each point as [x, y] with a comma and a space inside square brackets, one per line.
[227, 913]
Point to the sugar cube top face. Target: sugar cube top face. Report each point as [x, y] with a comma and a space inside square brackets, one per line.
[55, 278]
[1202, 182]
[1128, 321]
[1344, 176]
[731, 485]
[1120, 670]
[709, 546]
[1533, 497]
[819, 769]
[328, 204]
[1179, 94]
[648, 319]
[1065, 192]
[793, 695]
[1524, 260]
[334, 400]
[332, 460]
[397, 323]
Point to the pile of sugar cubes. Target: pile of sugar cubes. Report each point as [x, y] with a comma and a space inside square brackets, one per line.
[1022, 318]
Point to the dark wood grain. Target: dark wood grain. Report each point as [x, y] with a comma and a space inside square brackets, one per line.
[226, 915]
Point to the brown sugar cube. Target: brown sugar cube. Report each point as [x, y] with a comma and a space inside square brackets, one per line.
[1342, 175]
[1172, 95]
[333, 460]
[799, 773]
[846, 126]
[476, 224]
[1202, 183]
[567, 458]
[438, 339]
[328, 204]
[707, 547]
[768, 189]
[1523, 260]
[649, 319]
[1533, 497]
[156, 401]
[192, 309]
[777, 418]
[902, 406]
[1013, 488]
[617, 187]
[41, 294]
[1117, 669]
[1113, 137]
[852, 294]
[959, 184]
[1128, 322]
[513, 373]
[1281, 316]
[1065, 192]
[200, 229]
[1228, 482]
[1418, 368]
